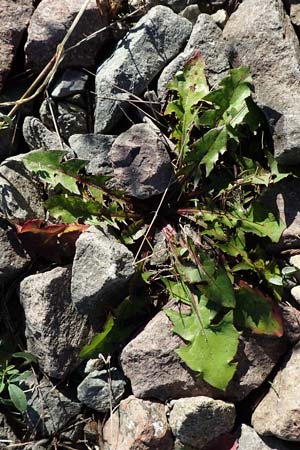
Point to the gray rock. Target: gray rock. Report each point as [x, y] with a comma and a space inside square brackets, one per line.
[249, 440]
[102, 389]
[73, 122]
[291, 321]
[14, 17]
[220, 17]
[72, 81]
[196, 421]
[262, 37]
[101, 270]
[141, 163]
[20, 194]
[155, 370]
[137, 424]
[206, 6]
[279, 411]
[191, 13]
[48, 27]
[144, 51]
[295, 293]
[13, 258]
[95, 148]
[207, 38]
[37, 136]
[50, 409]
[55, 332]
[295, 12]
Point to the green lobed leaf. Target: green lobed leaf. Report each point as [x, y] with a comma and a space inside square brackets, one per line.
[219, 289]
[255, 311]
[191, 86]
[49, 166]
[212, 347]
[94, 347]
[17, 397]
[70, 208]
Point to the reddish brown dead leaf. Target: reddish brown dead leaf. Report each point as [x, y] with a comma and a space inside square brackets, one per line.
[54, 242]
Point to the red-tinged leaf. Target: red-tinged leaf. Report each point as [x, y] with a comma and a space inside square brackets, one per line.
[257, 311]
[54, 242]
[224, 442]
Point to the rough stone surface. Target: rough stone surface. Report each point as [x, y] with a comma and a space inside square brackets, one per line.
[100, 387]
[95, 148]
[72, 121]
[49, 408]
[55, 331]
[48, 26]
[20, 194]
[39, 445]
[191, 13]
[295, 292]
[101, 270]
[282, 200]
[196, 421]
[295, 12]
[220, 17]
[13, 258]
[138, 424]
[291, 321]
[71, 82]
[140, 161]
[262, 37]
[37, 136]
[140, 55]
[278, 414]
[207, 38]
[156, 371]
[14, 18]
[249, 440]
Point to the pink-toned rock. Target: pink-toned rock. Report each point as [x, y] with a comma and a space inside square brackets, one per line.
[156, 371]
[137, 425]
[48, 26]
[14, 18]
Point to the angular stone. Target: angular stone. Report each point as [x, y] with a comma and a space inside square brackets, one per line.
[191, 13]
[295, 12]
[138, 424]
[37, 136]
[142, 53]
[21, 196]
[101, 389]
[278, 414]
[141, 163]
[262, 37]
[220, 17]
[55, 331]
[291, 321]
[72, 122]
[249, 440]
[50, 409]
[13, 258]
[48, 26]
[72, 81]
[94, 148]
[206, 38]
[101, 270]
[14, 18]
[155, 370]
[196, 421]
